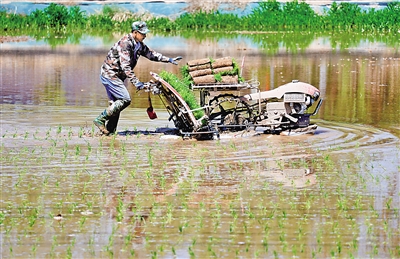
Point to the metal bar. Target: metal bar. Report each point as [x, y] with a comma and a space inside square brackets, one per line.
[317, 108]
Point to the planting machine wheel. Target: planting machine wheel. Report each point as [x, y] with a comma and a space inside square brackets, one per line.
[229, 111]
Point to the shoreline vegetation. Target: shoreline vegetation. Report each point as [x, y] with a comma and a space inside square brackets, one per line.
[269, 15]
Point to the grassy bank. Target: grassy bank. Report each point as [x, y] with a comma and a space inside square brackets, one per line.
[268, 15]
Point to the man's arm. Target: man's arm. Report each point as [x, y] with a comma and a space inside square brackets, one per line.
[125, 49]
[156, 56]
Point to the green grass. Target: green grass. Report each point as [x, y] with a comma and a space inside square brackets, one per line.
[268, 15]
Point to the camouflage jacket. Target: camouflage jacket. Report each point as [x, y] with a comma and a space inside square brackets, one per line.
[123, 56]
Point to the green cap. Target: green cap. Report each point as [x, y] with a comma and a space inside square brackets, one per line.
[140, 27]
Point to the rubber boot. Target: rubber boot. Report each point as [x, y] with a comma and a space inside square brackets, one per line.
[100, 122]
[111, 114]
[112, 123]
[114, 112]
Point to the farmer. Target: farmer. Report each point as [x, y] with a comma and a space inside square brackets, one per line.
[118, 65]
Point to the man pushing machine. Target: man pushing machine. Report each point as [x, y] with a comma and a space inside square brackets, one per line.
[118, 65]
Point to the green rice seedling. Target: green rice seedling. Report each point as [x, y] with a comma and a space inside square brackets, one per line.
[128, 239]
[375, 250]
[92, 130]
[80, 132]
[32, 220]
[8, 230]
[77, 150]
[11, 251]
[59, 129]
[123, 148]
[150, 157]
[388, 203]
[82, 222]
[183, 88]
[46, 180]
[70, 133]
[245, 228]
[218, 77]
[120, 210]
[314, 254]
[89, 205]
[54, 243]
[72, 207]
[2, 217]
[69, 252]
[34, 246]
[173, 250]
[396, 212]
[339, 246]
[191, 252]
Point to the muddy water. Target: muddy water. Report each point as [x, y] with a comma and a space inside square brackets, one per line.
[146, 194]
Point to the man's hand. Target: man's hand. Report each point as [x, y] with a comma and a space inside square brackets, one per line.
[139, 85]
[173, 60]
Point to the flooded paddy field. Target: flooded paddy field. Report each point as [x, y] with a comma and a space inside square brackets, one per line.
[69, 192]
